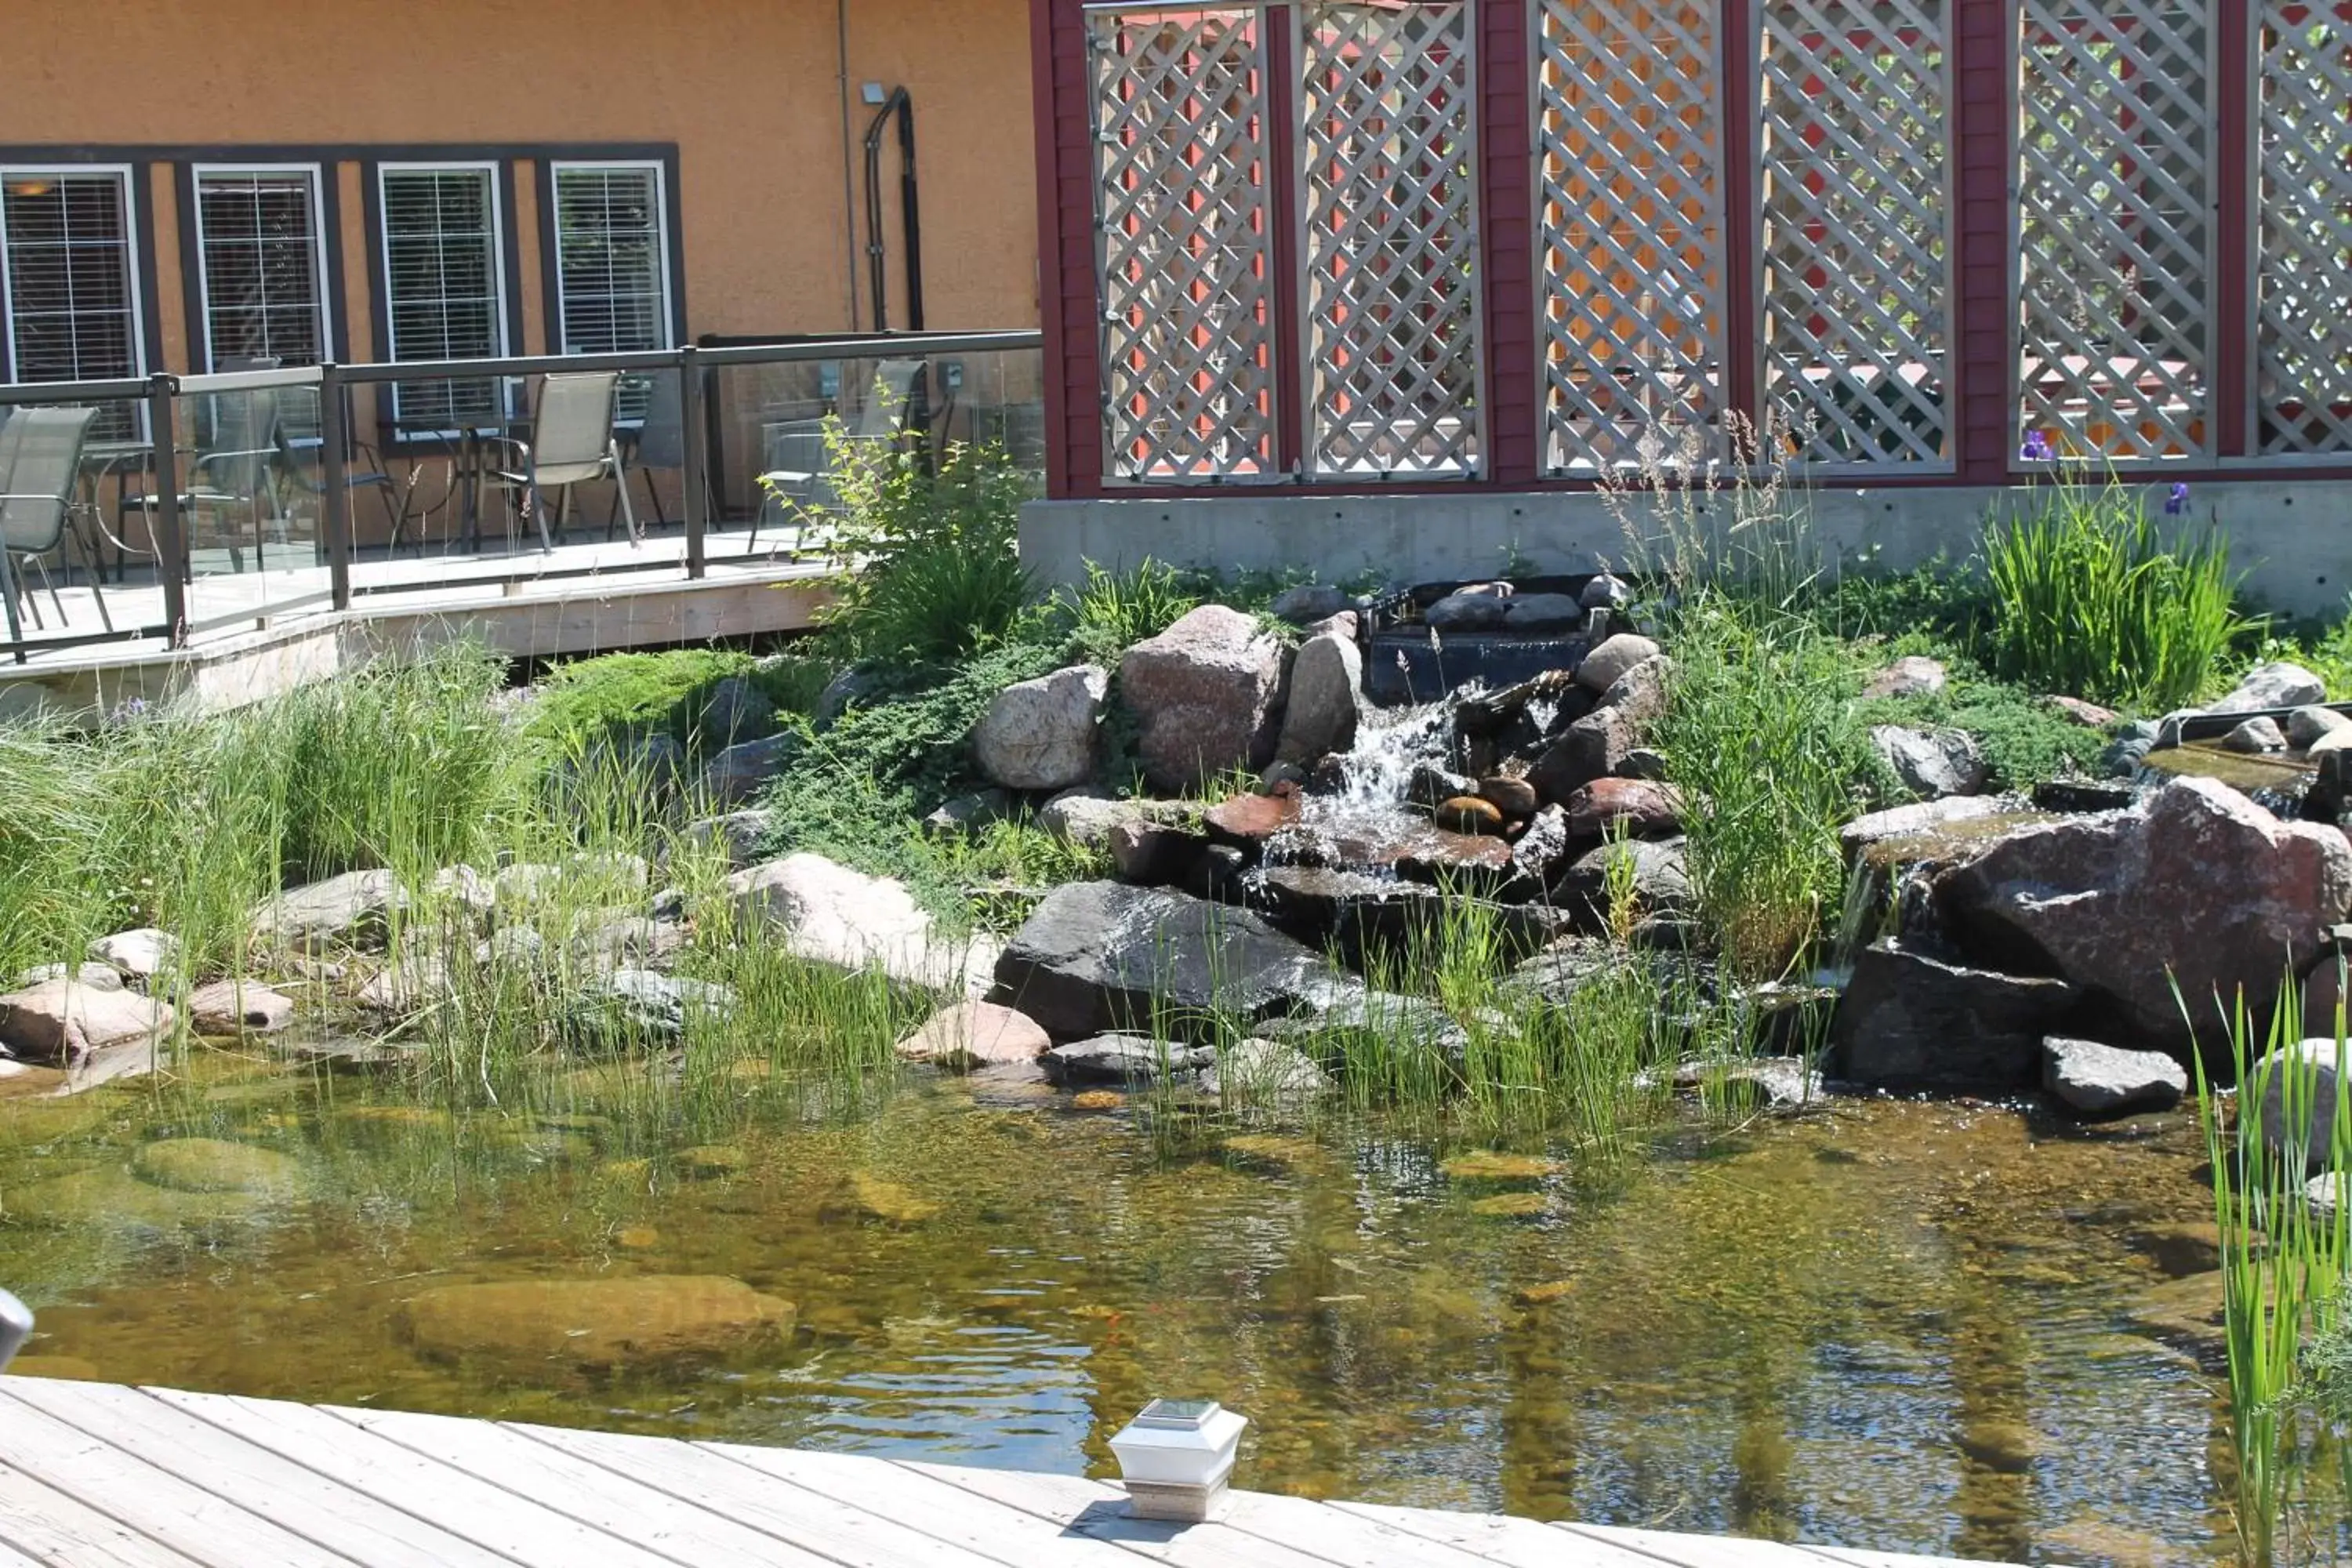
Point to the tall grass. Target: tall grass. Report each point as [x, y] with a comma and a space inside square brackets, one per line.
[2091, 598]
[2282, 1263]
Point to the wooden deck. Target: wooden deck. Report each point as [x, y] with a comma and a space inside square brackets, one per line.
[99, 1474]
[257, 634]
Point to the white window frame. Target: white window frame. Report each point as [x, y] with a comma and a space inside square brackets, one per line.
[493, 170]
[133, 279]
[196, 173]
[555, 172]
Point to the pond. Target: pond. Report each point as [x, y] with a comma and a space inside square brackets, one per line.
[1936, 1328]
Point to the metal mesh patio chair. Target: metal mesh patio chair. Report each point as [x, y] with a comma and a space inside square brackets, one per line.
[40, 467]
[302, 465]
[570, 442]
[234, 473]
[660, 443]
[807, 482]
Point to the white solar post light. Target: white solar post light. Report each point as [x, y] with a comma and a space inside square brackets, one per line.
[1176, 1457]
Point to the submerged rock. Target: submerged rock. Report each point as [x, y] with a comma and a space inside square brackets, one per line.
[2105, 1081]
[2197, 884]
[1097, 957]
[972, 1034]
[216, 1166]
[1496, 1166]
[863, 1195]
[1204, 694]
[1911, 1020]
[1041, 734]
[593, 1322]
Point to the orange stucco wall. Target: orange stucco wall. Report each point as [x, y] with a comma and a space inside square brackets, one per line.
[750, 93]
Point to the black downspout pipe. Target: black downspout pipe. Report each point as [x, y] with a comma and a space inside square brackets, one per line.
[910, 212]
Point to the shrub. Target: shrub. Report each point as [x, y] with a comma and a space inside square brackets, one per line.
[2090, 598]
[925, 558]
[2023, 741]
[1117, 610]
[587, 701]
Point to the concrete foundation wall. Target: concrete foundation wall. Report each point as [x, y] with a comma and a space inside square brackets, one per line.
[2292, 541]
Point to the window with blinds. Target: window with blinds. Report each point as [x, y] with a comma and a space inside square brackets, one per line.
[69, 274]
[612, 265]
[260, 238]
[444, 289]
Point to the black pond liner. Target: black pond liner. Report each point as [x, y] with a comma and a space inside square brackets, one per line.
[1403, 666]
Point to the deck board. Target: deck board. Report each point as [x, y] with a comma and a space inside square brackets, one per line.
[96, 1475]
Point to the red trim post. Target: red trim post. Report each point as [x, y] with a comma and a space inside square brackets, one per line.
[1507, 242]
[2236, 209]
[1066, 226]
[1737, 47]
[1287, 289]
[1054, 368]
[1984, 40]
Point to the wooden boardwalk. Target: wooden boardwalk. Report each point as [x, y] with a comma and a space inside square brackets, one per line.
[136, 1478]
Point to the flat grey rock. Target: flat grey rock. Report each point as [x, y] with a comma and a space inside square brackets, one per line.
[2108, 1080]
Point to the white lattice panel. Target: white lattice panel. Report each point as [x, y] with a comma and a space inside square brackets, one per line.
[1854, 109]
[2114, 234]
[1388, 202]
[1630, 156]
[2304, 278]
[1181, 222]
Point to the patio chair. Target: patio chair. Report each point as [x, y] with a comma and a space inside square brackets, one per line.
[234, 473]
[300, 462]
[570, 442]
[660, 443]
[40, 467]
[891, 401]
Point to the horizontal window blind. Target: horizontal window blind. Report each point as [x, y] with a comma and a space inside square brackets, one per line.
[65, 246]
[612, 273]
[443, 290]
[258, 231]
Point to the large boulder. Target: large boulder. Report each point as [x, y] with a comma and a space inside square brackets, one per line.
[827, 913]
[350, 910]
[1912, 1020]
[1595, 747]
[1327, 692]
[1095, 958]
[741, 771]
[1932, 764]
[1206, 695]
[1087, 818]
[2273, 686]
[738, 835]
[1309, 602]
[1653, 875]
[1041, 734]
[2196, 886]
[62, 1023]
[530, 1323]
[732, 711]
[2105, 1080]
[1641, 692]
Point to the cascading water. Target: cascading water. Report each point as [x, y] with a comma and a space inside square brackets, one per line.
[1344, 829]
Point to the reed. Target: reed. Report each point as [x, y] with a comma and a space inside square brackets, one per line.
[2282, 1259]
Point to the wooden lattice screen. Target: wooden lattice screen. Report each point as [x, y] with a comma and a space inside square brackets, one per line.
[2304, 275]
[2114, 226]
[1388, 201]
[1854, 208]
[1630, 170]
[1182, 226]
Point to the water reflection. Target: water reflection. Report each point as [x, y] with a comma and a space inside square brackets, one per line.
[1906, 1327]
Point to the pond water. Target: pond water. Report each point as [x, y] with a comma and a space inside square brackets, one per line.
[1909, 1327]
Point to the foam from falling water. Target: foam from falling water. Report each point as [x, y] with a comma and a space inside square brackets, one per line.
[1369, 807]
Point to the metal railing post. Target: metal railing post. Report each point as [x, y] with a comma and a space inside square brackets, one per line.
[335, 494]
[170, 545]
[693, 464]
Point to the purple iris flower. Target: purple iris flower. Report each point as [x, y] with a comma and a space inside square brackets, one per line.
[2175, 504]
[2037, 447]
